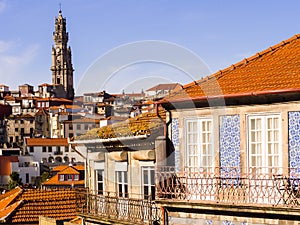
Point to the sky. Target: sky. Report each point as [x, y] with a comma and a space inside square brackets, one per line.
[132, 45]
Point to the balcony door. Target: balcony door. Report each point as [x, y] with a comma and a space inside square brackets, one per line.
[199, 155]
[264, 143]
[264, 156]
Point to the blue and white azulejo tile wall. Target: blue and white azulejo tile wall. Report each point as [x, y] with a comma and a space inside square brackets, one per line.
[294, 139]
[230, 142]
[175, 141]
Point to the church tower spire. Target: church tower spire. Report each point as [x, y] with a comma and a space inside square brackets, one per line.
[62, 68]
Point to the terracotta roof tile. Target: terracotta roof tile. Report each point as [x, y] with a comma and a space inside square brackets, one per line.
[66, 170]
[274, 69]
[9, 197]
[59, 204]
[46, 141]
[69, 170]
[6, 212]
[164, 87]
[62, 167]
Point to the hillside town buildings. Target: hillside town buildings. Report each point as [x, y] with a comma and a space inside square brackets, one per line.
[220, 150]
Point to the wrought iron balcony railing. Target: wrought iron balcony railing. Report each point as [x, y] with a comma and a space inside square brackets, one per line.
[275, 187]
[110, 206]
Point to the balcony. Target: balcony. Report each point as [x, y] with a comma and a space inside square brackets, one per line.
[58, 152]
[275, 188]
[110, 207]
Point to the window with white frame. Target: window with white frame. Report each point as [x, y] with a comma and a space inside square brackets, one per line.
[61, 177]
[199, 149]
[122, 183]
[148, 182]
[100, 181]
[264, 137]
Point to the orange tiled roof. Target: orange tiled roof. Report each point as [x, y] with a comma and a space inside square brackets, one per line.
[164, 87]
[62, 167]
[65, 170]
[274, 69]
[9, 197]
[7, 211]
[54, 181]
[8, 204]
[59, 204]
[46, 141]
[9, 193]
[69, 170]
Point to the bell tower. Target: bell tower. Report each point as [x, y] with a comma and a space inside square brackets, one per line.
[62, 68]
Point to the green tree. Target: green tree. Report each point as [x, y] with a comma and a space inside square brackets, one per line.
[14, 180]
[45, 176]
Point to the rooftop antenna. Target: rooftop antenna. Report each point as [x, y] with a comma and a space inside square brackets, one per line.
[59, 7]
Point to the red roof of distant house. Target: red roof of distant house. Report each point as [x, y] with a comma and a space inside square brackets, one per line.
[46, 141]
[129, 94]
[54, 99]
[274, 70]
[66, 170]
[158, 87]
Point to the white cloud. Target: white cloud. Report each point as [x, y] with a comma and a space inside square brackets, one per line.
[5, 46]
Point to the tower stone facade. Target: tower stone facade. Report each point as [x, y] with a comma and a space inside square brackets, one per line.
[62, 68]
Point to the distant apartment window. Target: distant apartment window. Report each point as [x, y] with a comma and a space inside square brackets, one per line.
[58, 148]
[70, 177]
[22, 131]
[31, 149]
[47, 104]
[264, 145]
[86, 126]
[61, 177]
[17, 138]
[11, 139]
[49, 149]
[100, 181]
[122, 183]
[199, 150]
[16, 129]
[44, 160]
[50, 159]
[70, 126]
[27, 178]
[44, 149]
[148, 182]
[76, 177]
[78, 126]
[31, 121]
[22, 121]
[71, 135]
[66, 149]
